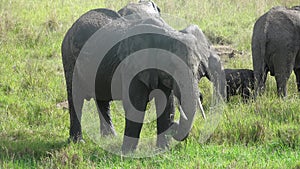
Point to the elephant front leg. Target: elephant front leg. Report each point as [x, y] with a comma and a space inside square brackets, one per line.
[75, 109]
[131, 134]
[106, 125]
[246, 93]
[165, 119]
[134, 106]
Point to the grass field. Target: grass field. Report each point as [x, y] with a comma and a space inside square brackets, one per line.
[33, 130]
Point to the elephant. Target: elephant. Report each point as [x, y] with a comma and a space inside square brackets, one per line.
[239, 81]
[199, 56]
[275, 48]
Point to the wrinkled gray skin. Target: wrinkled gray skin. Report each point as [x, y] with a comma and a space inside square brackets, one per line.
[275, 48]
[199, 57]
[74, 40]
[239, 82]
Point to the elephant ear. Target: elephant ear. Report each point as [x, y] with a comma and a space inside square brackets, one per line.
[202, 47]
[196, 31]
[210, 63]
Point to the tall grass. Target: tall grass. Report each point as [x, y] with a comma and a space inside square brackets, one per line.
[33, 130]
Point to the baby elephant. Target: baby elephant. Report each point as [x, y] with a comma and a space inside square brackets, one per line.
[239, 81]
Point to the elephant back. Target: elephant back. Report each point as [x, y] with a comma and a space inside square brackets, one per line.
[89, 23]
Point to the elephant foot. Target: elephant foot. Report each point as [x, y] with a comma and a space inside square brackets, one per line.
[177, 136]
[162, 142]
[108, 132]
[129, 144]
[75, 139]
[107, 129]
[174, 127]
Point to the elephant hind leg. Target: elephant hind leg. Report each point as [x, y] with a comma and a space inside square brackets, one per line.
[261, 81]
[281, 82]
[75, 110]
[297, 73]
[260, 78]
[75, 117]
[106, 126]
[283, 66]
[297, 70]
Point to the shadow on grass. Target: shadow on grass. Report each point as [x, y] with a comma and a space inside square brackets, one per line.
[21, 146]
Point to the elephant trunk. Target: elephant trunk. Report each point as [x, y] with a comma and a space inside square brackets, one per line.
[188, 101]
[217, 76]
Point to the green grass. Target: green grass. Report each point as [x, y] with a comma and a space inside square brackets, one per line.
[33, 131]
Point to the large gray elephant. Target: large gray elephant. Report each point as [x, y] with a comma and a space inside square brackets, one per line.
[275, 47]
[198, 56]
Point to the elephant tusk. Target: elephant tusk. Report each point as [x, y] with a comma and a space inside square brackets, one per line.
[182, 114]
[201, 108]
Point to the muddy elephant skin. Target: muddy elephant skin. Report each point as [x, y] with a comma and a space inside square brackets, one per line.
[276, 48]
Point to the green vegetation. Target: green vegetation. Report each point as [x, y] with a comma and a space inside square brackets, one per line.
[33, 130]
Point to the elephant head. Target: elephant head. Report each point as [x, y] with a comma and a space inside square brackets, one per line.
[209, 66]
[140, 10]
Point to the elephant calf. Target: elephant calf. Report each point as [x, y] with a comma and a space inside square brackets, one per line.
[239, 81]
[275, 47]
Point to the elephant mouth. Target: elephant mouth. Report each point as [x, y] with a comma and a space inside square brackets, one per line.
[200, 107]
[174, 128]
[181, 135]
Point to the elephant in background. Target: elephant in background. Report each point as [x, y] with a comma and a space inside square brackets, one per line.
[239, 81]
[276, 48]
[198, 56]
